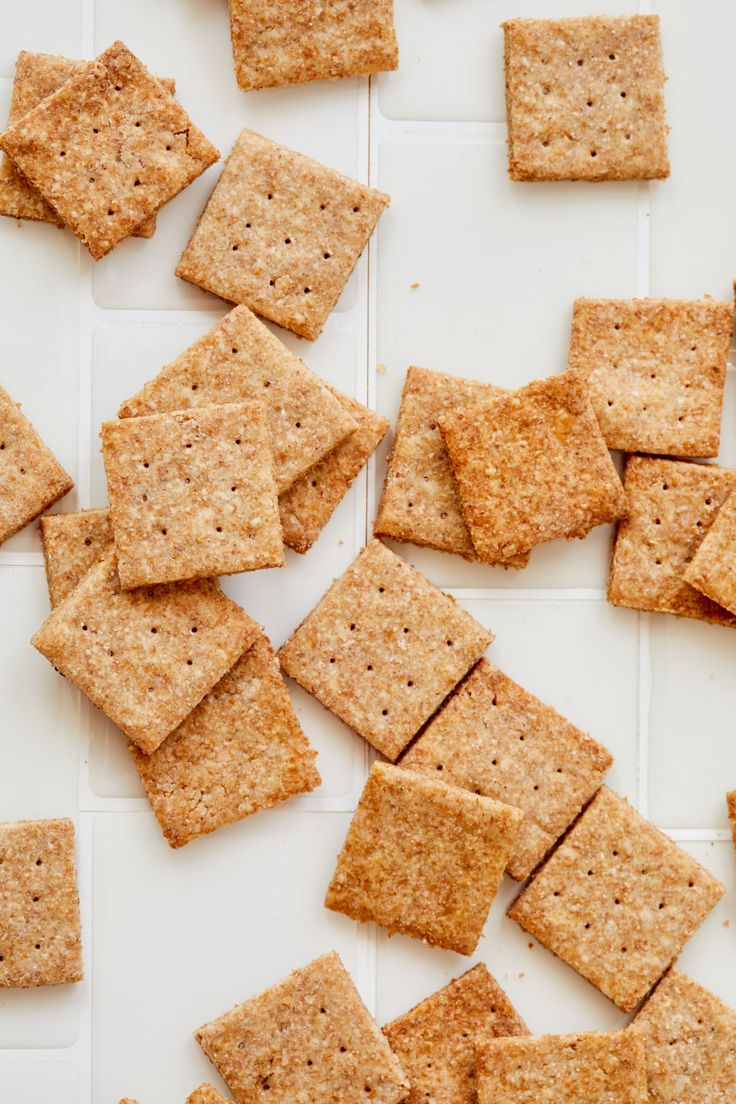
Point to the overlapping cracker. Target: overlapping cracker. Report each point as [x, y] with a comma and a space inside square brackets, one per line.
[712, 570]
[672, 505]
[71, 544]
[108, 148]
[494, 738]
[308, 1038]
[531, 467]
[205, 1094]
[423, 858]
[146, 658]
[40, 935]
[383, 648]
[585, 99]
[281, 233]
[617, 900]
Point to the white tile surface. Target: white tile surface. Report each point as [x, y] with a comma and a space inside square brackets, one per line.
[33, 1082]
[47, 26]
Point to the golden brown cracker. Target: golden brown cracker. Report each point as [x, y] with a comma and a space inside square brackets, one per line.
[71, 544]
[711, 570]
[205, 1094]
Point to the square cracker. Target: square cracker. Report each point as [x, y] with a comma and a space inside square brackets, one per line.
[532, 467]
[278, 42]
[423, 858]
[383, 648]
[40, 936]
[656, 369]
[146, 658]
[192, 494]
[310, 1037]
[31, 478]
[672, 505]
[205, 1094]
[238, 360]
[108, 148]
[281, 233]
[71, 544]
[617, 900]
[494, 738]
[711, 570]
[435, 1041]
[585, 99]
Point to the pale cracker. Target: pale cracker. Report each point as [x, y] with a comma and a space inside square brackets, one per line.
[712, 569]
[71, 544]
[205, 1094]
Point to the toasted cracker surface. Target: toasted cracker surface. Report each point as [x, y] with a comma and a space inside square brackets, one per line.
[205, 1094]
[731, 804]
[617, 900]
[711, 570]
[423, 858]
[71, 544]
[383, 648]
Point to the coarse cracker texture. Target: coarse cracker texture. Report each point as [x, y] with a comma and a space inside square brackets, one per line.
[617, 900]
[435, 1041]
[731, 805]
[423, 858]
[383, 648]
[238, 360]
[310, 1037]
[585, 99]
[71, 544]
[192, 494]
[672, 505]
[281, 233]
[277, 42]
[532, 467]
[655, 369]
[494, 738]
[108, 148]
[40, 935]
[205, 1094]
[31, 478]
[146, 658]
[241, 750]
[712, 570]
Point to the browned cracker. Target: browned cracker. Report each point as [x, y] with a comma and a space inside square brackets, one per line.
[240, 359]
[617, 900]
[192, 494]
[40, 936]
[308, 1038]
[731, 804]
[672, 505]
[278, 42]
[205, 1094]
[532, 467]
[585, 99]
[108, 148]
[435, 1041]
[383, 648]
[656, 369]
[494, 738]
[281, 233]
[423, 858]
[711, 570]
[71, 544]
[31, 478]
[146, 658]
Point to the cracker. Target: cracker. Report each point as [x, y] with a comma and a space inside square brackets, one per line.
[711, 570]
[240, 359]
[383, 648]
[277, 42]
[585, 99]
[71, 544]
[108, 148]
[731, 805]
[205, 1094]
[617, 900]
[435, 1042]
[494, 738]
[192, 494]
[31, 478]
[532, 467]
[656, 369]
[40, 935]
[672, 505]
[146, 658]
[281, 233]
[423, 858]
[308, 1038]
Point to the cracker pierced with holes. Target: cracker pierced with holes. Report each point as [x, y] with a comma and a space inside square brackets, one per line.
[383, 648]
[205, 1094]
[146, 658]
[40, 935]
[281, 233]
[308, 1038]
[532, 467]
[712, 570]
[585, 99]
[108, 148]
[71, 544]
[494, 738]
[672, 505]
[423, 858]
[617, 900]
